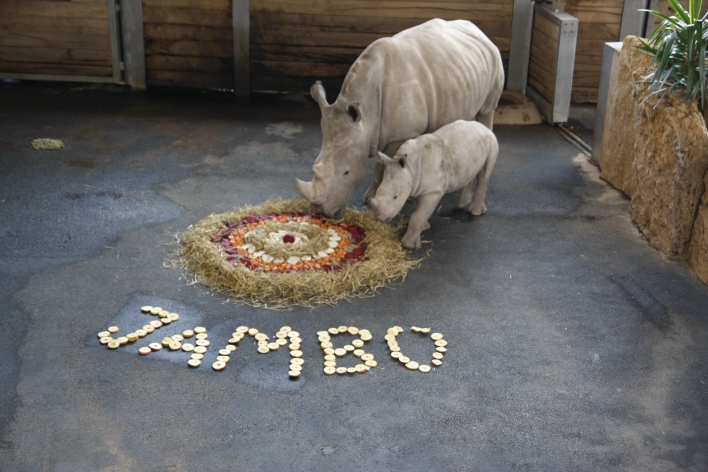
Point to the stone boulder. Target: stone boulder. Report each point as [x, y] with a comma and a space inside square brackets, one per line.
[657, 153]
[669, 166]
[698, 248]
[619, 137]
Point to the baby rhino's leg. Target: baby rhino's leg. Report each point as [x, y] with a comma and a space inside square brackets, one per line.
[466, 195]
[425, 206]
[478, 207]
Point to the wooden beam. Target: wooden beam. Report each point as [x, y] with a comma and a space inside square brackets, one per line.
[188, 79]
[51, 39]
[55, 55]
[189, 48]
[423, 10]
[33, 8]
[187, 16]
[43, 68]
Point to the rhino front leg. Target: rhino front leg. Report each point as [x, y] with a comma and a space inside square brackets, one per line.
[425, 206]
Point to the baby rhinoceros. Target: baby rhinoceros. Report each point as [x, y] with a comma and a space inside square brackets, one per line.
[431, 165]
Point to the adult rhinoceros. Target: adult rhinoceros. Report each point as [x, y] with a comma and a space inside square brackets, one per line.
[399, 88]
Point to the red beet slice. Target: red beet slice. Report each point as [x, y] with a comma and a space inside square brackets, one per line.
[288, 238]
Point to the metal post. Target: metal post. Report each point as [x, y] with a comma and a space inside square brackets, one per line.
[634, 21]
[608, 81]
[242, 53]
[557, 108]
[520, 46]
[133, 43]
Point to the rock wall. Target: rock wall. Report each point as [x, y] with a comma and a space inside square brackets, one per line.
[670, 162]
[619, 136]
[657, 153]
[698, 248]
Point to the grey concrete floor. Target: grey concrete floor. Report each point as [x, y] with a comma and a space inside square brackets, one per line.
[572, 344]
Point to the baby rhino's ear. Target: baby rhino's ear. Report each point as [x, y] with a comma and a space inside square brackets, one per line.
[402, 160]
[383, 158]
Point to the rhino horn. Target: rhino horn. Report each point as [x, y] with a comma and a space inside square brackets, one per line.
[319, 170]
[318, 93]
[383, 158]
[307, 190]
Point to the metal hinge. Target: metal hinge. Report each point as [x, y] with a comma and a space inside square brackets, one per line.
[117, 7]
[121, 66]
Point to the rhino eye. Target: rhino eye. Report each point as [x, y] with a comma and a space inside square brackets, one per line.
[346, 173]
[353, 113]
[395, 197]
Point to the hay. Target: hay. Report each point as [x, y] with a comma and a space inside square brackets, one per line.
[385, 261]
[47, 144]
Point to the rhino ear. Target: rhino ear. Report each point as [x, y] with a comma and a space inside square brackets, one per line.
[402, 160]
[318, 93]
[354, 112]
[383, 158]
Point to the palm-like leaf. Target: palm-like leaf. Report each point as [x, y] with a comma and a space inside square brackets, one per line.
[678, 45]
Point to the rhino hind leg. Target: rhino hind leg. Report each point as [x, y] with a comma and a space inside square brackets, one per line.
[477, 207]
[466, 195]
[485, 115]
[487, 119]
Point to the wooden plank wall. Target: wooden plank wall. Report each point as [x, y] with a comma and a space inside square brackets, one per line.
[665, 7]
[70, 37]
[544, 56]
[599, 22]
[188, 43]
[296, 42]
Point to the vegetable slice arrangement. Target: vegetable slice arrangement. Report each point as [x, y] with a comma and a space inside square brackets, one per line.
[287, 243]
[278, 255]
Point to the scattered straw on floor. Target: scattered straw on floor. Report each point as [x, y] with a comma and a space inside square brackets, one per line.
[385, 261]
[47, 144]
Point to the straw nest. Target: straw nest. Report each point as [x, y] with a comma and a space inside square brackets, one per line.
[384, 262]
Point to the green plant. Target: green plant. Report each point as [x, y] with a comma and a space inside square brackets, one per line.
[679, 48]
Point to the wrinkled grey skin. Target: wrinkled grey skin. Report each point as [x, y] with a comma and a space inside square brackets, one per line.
[399, 88]
[432, 165]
